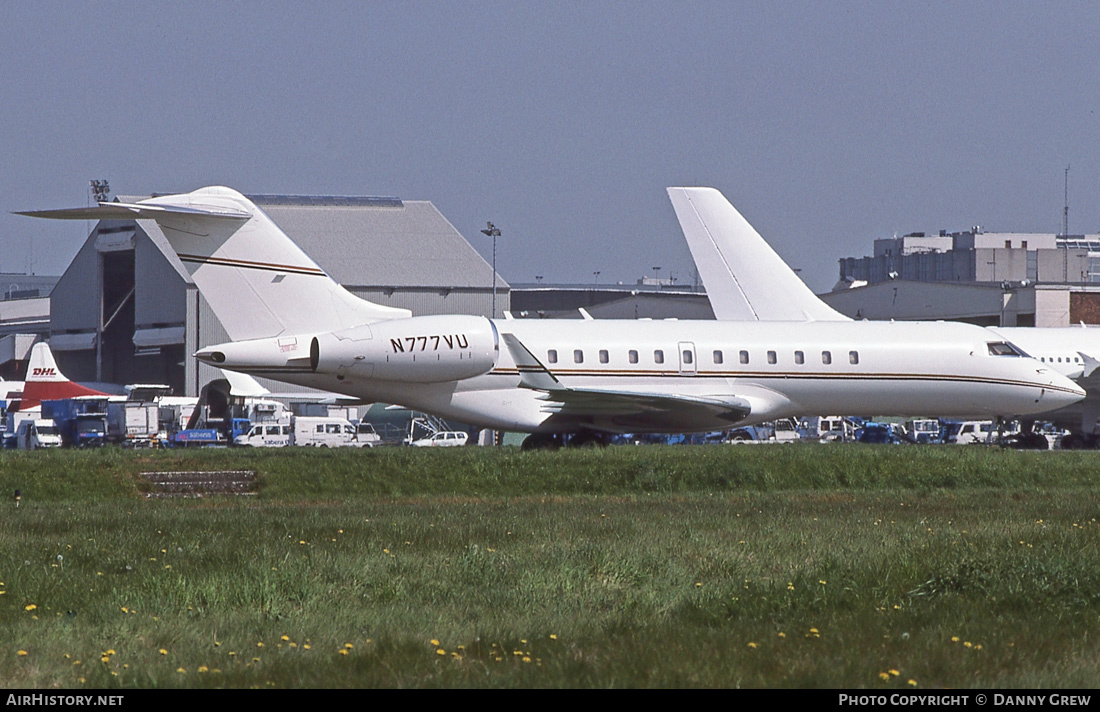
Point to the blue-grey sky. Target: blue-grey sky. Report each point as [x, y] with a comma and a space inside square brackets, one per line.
[827, 124]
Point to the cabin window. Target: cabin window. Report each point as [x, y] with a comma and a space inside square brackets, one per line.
[687, 356]
[744, 357]
[658, 356]
[853, 357]
[771, 357]
[632, 356]
[578, 356]
[826, 357]
[603, 356]
[552, 355]
[320, 428]
[799, 357]
[718, 357]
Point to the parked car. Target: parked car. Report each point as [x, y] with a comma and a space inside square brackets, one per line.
[444, 438]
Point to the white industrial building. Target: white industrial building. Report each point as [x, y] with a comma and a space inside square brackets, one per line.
[987, 278]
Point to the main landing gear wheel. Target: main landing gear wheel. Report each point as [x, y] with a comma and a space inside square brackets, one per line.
[541, 441]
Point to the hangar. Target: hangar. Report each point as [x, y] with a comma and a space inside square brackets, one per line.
[126, 311]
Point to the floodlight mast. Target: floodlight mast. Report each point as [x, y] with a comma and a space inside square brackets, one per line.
[493, 231]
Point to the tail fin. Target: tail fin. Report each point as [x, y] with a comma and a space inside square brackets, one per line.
[45, 381]
[258, 282]
[745, 279]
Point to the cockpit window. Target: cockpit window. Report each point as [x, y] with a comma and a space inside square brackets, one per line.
[1003, 348]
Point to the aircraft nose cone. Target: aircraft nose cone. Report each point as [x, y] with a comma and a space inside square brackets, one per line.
[1060, 391]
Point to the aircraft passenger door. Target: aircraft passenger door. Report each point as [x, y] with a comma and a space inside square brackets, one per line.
[687, 358]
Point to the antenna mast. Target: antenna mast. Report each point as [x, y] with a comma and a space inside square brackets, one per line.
[1065, 208]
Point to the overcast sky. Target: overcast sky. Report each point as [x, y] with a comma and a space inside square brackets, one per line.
[827, 124]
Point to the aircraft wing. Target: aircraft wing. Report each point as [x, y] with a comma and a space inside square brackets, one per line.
[622, 410]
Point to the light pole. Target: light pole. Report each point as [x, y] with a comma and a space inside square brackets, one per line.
[494, 232]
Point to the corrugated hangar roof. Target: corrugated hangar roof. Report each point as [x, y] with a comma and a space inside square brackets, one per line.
[381, 242]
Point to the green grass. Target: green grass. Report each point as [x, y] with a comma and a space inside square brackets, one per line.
[720, 566]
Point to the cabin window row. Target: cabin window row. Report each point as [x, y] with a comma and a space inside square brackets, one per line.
[688, 356]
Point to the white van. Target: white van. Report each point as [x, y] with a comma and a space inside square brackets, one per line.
[324, 432]
[266, 435]
[33, 434]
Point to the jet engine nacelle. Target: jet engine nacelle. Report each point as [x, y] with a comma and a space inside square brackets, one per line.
[420, 349]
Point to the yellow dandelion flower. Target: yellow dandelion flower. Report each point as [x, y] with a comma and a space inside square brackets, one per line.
[342, 651]
[978, 647]
[782, 634]
[22, 653]
[285, 637]
[440, 651]
[30, 607]
[790, 585]
[260, 644]
[81, 680]
[752, 645]
[305, 647]
[553, 636]
[106, 658]
[349, 646]
[526, 659]
[822, 582]
[203, 668]
[181, 671]
[698, 584]
[968, 644]
[111, 651]
[911, 682]
[884, 675]
[293, 645]
[954, 639]
[895, 673]
[162, 651]
[434, 642]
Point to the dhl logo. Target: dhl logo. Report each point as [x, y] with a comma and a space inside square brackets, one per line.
[44, 372]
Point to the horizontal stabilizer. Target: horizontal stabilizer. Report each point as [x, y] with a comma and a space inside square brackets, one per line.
[258, 282]
[135, 211]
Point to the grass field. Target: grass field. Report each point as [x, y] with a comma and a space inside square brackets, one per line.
[712, 566]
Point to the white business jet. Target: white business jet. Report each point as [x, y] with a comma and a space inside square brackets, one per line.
[288, 320]
[747, 281]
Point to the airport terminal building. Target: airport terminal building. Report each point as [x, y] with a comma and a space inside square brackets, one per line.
[126, 311]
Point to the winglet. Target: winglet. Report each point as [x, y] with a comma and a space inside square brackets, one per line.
[1089, 363]
[532, 374]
